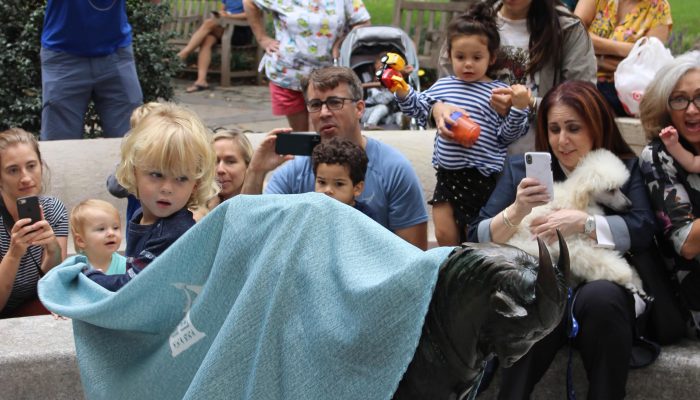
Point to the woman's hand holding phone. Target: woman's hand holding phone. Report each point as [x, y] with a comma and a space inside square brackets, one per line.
[530, 194]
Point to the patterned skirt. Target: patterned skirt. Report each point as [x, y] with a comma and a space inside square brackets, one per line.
[467, 190]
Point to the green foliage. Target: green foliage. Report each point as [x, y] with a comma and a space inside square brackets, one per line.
[686, 17]
[681, 41]
[20, 67]
[20, 72]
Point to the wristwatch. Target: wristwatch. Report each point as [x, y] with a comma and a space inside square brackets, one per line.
[589, 225]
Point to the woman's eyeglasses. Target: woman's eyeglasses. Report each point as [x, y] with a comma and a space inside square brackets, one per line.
[682, 103]
[333, 103]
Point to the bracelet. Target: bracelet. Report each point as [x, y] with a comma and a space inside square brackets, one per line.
[506, 220]
[533, 103]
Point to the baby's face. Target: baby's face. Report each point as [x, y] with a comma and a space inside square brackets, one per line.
[334, 180]
[101, 234]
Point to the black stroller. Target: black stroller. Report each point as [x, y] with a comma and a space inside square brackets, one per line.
[360, 51]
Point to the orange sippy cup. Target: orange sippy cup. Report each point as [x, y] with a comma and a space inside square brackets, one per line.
[465, 130]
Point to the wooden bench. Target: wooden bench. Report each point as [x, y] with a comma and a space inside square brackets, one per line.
[187, 17]
[425, 22]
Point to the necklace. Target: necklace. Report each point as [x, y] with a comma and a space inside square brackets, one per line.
[102, 9]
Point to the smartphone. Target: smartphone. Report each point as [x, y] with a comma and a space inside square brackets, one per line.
[538, 165]
[28, 207]
[297, 143]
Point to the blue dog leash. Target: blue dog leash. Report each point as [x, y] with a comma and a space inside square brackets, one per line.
[572, 331]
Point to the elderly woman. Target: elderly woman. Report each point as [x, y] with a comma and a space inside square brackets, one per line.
[27, 250]
[573, 120]
[673, 100]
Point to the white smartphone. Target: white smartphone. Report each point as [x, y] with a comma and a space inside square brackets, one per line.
[538, 165]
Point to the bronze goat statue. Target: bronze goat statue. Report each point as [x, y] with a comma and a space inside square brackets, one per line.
[489, 299]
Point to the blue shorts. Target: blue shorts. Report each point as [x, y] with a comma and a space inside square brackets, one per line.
[69, 82]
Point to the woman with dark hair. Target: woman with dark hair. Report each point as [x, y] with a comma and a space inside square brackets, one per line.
[542, 44]
[573, 120]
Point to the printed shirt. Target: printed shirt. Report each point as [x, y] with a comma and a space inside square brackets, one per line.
[306, 32]
[674, 193]
[646, 15]
[24, 286]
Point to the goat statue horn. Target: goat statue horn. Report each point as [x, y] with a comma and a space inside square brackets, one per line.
[563, 262]
[546, 280]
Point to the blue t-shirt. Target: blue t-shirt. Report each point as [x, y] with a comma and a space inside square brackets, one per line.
[86, 28]
[233, 6]
[392, 189]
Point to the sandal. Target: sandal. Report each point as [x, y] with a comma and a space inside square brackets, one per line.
[196, 88]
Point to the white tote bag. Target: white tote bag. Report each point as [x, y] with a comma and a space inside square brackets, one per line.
[637, 70]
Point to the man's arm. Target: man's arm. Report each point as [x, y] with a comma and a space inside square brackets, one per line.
[263, 161]
[417, 235]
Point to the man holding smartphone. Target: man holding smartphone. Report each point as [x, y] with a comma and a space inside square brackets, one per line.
[392, 189]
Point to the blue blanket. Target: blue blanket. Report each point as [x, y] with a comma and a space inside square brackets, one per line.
[268, 297]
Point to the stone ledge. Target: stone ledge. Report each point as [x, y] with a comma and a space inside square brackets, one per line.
[37, 359]
[674, 375]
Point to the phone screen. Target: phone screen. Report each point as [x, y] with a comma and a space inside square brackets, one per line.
[296, 143]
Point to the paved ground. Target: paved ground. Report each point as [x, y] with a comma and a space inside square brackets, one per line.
[245, 107]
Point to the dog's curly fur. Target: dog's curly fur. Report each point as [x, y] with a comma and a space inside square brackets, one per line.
[596, 180]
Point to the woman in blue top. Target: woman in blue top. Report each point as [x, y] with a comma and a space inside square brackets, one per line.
[210, 34]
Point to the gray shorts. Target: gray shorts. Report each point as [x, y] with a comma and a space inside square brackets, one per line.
[69, 82]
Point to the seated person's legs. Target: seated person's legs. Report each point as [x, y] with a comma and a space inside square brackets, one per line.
[605, 313]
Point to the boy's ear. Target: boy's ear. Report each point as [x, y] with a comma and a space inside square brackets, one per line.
[357, 189]
[493, 59]
[79, 241]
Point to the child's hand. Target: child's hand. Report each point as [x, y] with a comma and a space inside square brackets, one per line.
[669, 135]
[520, 96]
[393, 80]
[441, 114]
[501, 100]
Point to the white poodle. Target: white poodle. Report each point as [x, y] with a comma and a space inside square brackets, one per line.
[596, 180]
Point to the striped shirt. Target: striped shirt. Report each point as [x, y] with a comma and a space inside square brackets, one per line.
[488, 154]
[24, 287]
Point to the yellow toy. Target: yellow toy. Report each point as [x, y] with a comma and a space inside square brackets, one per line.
[390, 75]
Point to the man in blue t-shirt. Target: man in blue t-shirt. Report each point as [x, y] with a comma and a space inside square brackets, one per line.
[86, 54]
[392, 189]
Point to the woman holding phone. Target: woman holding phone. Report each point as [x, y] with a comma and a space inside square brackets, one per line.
[573, 120]
[27, 250]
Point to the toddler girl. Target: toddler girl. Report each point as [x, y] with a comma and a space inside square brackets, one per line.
[167, 162]
[466, 175]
